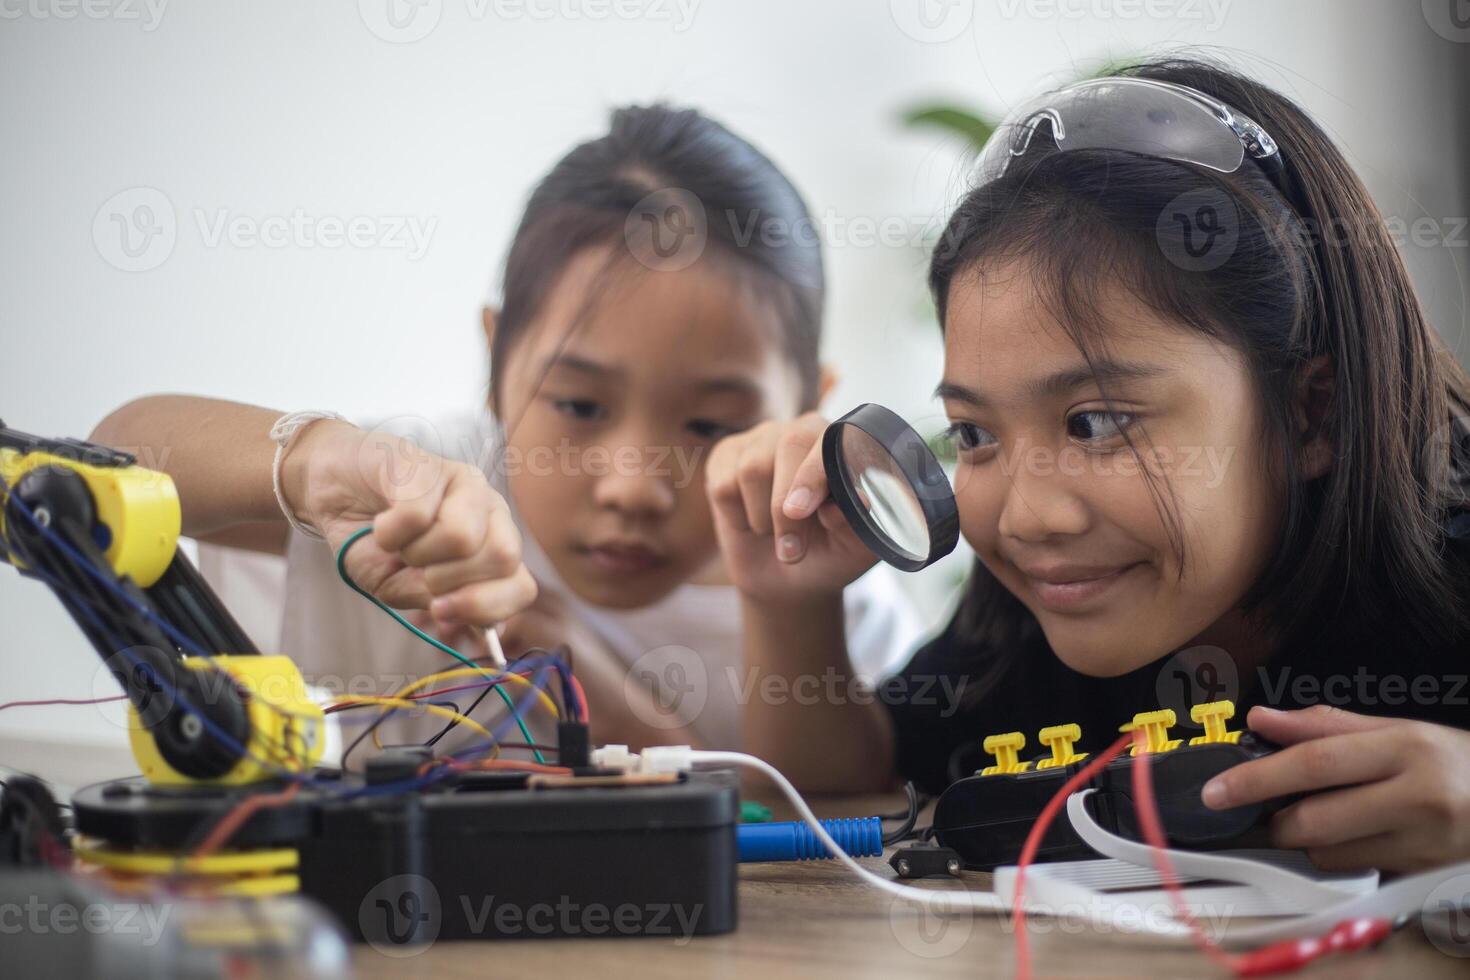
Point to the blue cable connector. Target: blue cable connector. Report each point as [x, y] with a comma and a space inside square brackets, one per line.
[794, 841]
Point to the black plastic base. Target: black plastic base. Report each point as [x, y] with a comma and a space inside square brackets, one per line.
[486, 858]
[987, 818]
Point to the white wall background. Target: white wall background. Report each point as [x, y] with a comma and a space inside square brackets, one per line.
[279, 107]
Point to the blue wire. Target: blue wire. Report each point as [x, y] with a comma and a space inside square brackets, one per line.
[83, 602]
[306, 779]
[537, 683]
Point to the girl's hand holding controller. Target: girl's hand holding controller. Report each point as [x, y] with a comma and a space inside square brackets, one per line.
[1386, 793]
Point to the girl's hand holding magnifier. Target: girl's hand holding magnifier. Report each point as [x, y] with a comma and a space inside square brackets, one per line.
[783, 537]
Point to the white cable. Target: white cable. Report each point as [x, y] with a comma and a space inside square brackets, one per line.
[939, 900]
[1307, 893]
[1403, 897]
[497, 652]
[1406, 896]
[284, 433]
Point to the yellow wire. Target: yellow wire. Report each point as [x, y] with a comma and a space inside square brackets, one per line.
[443, 712]
[457, 672]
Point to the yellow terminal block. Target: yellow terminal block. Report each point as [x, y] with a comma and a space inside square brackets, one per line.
[1060, 739]
[1213, 716]
[1155, 725]
[1004, 748]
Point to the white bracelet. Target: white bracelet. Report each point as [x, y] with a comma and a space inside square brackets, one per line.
[284, 432]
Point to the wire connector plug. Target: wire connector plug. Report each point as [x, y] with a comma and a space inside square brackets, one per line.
[660, 759]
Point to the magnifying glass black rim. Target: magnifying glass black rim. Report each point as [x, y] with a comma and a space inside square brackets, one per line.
[902, 444]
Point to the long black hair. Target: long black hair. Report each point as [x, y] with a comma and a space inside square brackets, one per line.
[676, 168]
[1313, 273]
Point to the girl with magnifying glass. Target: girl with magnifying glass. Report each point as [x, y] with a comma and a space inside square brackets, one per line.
[1196, 404]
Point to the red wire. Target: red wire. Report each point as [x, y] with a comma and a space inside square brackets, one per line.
[1281, 957]
[513, 765]
[1147, 809]
[581, 698]
[1033, 843]
[38, 704]
[242, 811]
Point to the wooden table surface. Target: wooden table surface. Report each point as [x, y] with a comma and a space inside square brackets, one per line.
[814, 919]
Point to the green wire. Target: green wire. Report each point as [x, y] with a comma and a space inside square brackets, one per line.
[361, 533]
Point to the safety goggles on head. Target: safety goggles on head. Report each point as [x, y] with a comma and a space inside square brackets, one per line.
[1137, 115]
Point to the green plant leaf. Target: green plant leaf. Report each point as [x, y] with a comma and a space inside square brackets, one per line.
[962, 122]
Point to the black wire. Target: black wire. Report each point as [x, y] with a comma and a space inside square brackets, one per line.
[342, 763]
[530, 745]
[455, 721]
[903, 813]
[910, 818]
[568, 694]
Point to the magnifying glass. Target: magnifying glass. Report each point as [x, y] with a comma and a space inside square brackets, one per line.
[890, 487]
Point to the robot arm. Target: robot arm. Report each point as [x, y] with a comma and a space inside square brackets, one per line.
[102, 533]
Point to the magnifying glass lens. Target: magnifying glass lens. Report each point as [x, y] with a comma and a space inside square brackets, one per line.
[884, 493]
[891, 489]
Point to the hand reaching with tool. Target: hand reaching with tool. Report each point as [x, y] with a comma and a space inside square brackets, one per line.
[443, 539]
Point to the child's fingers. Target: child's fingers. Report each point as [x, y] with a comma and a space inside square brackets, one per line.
[840, 532]
[1390, 851]
[1317, 764]
[755, 473]
[498, 556]
[1336, 817]
[459, 529]
[793, 448]
[729, 505]
[721, 486]
[833, 519]
[468, 640]
[808, 484]
[486, 603]
[408, 518]
[1291, 727]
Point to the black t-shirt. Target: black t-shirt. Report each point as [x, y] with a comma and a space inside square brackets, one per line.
[943, 705]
